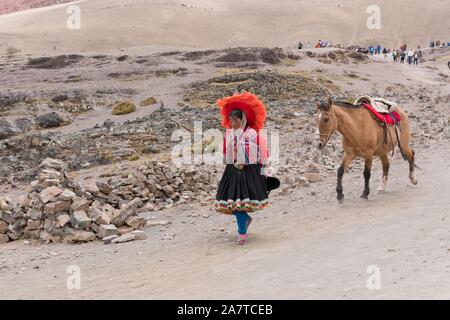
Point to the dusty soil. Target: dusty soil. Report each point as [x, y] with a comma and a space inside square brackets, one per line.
[302, 247]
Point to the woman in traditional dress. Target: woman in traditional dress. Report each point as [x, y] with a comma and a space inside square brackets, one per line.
[243, 187]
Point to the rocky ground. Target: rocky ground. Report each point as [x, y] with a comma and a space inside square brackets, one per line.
[8, 6]
[61, 107]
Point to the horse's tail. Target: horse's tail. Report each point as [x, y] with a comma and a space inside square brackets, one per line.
[403, 134]
[415, 165]
[399, 143]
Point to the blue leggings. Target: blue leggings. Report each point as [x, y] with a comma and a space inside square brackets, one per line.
[242, 218]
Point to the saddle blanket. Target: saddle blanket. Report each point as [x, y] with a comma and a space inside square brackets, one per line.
[381, 105]
[383, 117]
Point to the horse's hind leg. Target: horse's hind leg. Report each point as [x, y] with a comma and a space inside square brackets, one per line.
[409, 153]
[385, 163]
[367, 170]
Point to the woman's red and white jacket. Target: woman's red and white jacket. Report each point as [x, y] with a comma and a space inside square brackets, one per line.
[246, 146]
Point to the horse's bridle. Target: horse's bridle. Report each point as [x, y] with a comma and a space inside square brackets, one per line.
[330, 132]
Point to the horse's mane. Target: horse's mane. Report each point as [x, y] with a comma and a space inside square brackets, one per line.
[347, 105]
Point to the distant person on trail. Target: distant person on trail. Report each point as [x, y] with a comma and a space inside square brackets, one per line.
[416, 58]
[395, 55]
[402, 57]
[419, 53]
[300, 46]
[309, 44]
[410, 56]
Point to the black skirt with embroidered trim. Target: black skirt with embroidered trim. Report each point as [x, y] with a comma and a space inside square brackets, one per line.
[242, 190]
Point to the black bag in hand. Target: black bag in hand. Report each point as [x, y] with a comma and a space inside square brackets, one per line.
[272, 184]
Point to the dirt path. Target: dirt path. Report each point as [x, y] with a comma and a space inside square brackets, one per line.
[305, 246]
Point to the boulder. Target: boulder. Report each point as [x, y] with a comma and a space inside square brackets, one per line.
[109, 239]
[63, 219]
[4, 204]
[60, 98]
[57, 207]
[126, 211]
[3, 227]
[148, 102]
[66, 195]
[6, 217]
[6, 130]
[24, 124]
[55, 164]
[4, 238]
[50, 120]
[101, 213]
[125, 238]
[136, 222]
[104, 187]
[33, 224]
[80, 220]
[106, 230]
[50, 193]
[139, 235]
[73, 235]
[123, 107]
[81, 204]
[124, 230]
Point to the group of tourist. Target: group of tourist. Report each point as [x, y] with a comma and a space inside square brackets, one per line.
[319, 44]
[410, 56]
[401, 55]
[439, 44]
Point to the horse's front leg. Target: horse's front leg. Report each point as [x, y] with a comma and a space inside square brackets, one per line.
[340, 173]
[367, 170]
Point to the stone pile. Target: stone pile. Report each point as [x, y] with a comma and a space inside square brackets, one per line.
[58, 210]
[158, 185]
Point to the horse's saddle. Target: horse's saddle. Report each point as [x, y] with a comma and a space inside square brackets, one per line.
[381, 105]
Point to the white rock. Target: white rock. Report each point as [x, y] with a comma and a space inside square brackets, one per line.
[50, 193]
[158, 223]
[80, 219]
[108, 239]
[140, 235]
[66, 195]
[125, 238]
[63, 219]
[106, 230]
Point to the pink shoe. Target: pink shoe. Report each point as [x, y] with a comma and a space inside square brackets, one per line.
[242, 239]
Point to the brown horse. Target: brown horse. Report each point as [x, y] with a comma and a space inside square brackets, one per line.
[363, 136]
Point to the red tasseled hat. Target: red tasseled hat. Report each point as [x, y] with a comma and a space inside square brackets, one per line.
[254, 109]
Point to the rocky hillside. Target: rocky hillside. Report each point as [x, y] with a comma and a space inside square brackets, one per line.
[230, 23]
[7, 6]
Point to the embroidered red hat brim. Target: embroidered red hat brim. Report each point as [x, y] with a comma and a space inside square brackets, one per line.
[249, 104]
